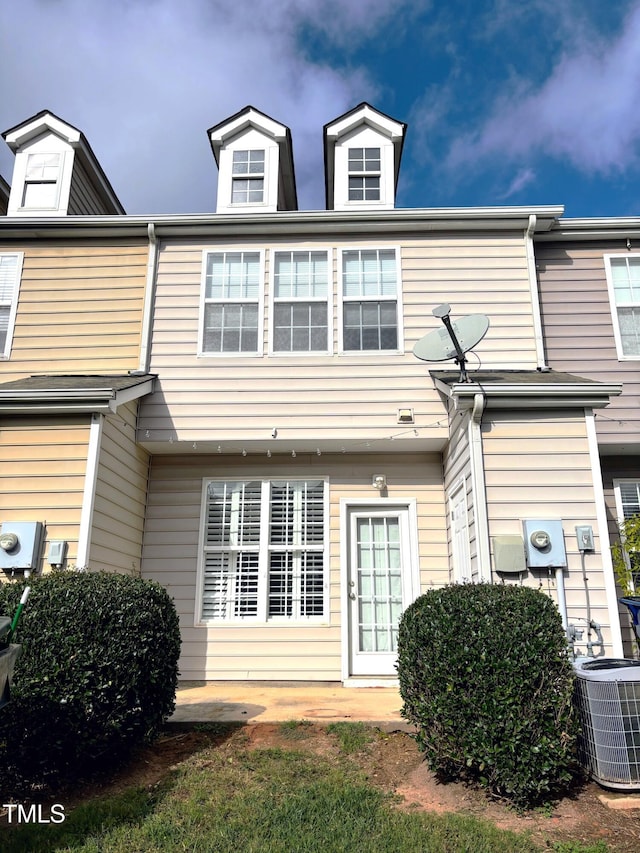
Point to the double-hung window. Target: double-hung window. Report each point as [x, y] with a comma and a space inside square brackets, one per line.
[10, 269]
[247, 177]
[300, 302]
[264, 550]
[623, 276]
[41, 181]
[370, 300]
[232, 303]
[364, 174]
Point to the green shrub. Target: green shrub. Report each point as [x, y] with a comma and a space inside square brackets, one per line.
[485, 676]
[98, 672]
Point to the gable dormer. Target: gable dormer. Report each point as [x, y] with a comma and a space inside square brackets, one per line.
[255, 163]
[362, 151]
[56, 173]
[5, 189]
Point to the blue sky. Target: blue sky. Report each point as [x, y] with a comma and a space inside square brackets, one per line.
[507, 102]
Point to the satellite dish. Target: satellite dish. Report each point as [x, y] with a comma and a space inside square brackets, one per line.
[454, 340]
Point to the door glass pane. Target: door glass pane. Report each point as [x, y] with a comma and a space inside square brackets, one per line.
[378, 557]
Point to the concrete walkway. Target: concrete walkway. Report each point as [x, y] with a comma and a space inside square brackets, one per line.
[264, 702]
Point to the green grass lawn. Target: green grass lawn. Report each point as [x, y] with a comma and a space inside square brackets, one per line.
[277, 800]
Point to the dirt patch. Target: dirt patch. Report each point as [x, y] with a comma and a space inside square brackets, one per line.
[390, 761]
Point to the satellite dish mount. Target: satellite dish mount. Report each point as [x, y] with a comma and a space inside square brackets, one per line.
[454, 340]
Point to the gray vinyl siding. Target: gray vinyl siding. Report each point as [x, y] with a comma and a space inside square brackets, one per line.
[83, 199]
[120, 496]
[578, 330]
[278, 651]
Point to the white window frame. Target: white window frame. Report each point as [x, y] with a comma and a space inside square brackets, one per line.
[11, 301]
[364, 173]
[273, 301]
[264, 549]
[249, 176]
[43, 181]
[617, 493]
[399, 350]
[622, 356]
[461, 568]
[204, 301]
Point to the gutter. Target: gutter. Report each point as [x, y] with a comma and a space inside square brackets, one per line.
[479, 488]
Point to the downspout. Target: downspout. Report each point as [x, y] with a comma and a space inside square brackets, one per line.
[535, 295]
[479, 488]
[89, 495]
[149, 299]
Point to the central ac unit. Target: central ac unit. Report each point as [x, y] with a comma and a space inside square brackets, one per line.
[607, 697]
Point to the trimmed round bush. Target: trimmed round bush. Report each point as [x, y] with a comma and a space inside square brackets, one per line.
[97, 674]
[485, 676]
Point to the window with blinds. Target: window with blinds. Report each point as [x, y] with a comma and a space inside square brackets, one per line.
[370, 300]
[623, 273]
[300, 302]
[10, 267]
[232, 300]
[264, 550]
[627, 493]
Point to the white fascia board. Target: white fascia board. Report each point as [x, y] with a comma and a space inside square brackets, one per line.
[517, 395]
[367, 115]
[40, 125]
[53, 400]
[221, 135]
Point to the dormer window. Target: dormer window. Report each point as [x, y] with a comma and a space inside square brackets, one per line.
[248, 177]
[364, 174]
[42, 181]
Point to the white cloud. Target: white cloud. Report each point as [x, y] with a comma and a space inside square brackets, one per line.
[587, 112]
[144, 79]
[522, 179]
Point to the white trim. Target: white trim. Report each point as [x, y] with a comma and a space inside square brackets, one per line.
[605, 543]
[13, 309]
[410, 505]
[89, 495]
[614, 308]
[203, 275]
[478, 486]
[272, 301]
[399, 305]
[535, 294]
[262, 620]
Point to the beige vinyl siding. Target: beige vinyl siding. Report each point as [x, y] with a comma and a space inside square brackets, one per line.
[277, 651]
[537, 466]
[578, 330]
[120, 496]
[42, 474]
[79, 310]
[342, 396]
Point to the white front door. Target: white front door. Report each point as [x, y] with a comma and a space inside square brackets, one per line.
[380, 585]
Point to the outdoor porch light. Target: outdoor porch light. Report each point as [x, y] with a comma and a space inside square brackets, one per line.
[379, 481]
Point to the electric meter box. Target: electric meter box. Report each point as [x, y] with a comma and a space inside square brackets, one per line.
[544, 543]
[20, 545]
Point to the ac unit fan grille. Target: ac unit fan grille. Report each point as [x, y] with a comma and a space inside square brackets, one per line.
[609, 745]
